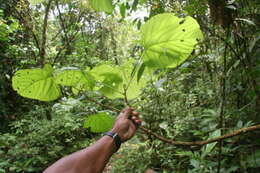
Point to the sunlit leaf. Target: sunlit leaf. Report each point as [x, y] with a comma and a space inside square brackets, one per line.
[168, 40]
[142, 1]
[134, 87]
[102, 5]
[75, 78]
[36, 84]
[100, 122]
[114, 80]
[109, 79]
[35, 2]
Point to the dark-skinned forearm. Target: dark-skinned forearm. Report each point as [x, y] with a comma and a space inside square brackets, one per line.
[89, 160]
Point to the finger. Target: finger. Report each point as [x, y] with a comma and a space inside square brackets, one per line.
[126, 113]
[138, 122]
[125, 109]
[135, 113]
[134, 118]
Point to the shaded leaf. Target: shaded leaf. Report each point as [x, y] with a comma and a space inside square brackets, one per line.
[253, 159]
[134, 6]
[195, 163]
[100, 122]
[140, 72]
[209, 147]
[122, 10]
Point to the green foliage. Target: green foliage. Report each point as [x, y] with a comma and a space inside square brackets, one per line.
[134, 156]
[108, 80]
[102, 5]
[122, 81]
[75, 78]
[162, 49]
[36, 84]
[252, 160]
[112, 81]
[100, 122]
[6, 29]
[180, 103]
[35, 142]
[116, 80]
[35, 2]
[168, 40]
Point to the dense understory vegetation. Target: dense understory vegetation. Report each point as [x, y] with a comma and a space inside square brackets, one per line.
[214, 92]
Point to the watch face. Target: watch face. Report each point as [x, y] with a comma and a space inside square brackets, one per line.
[115, 135]
[116, 138]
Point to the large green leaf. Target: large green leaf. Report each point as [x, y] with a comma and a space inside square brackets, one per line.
[168, 40]
[36, 84]
[102, 5]
[130, 79]
[109, 80]
[75, 78]
[100, 122]
[115, 79]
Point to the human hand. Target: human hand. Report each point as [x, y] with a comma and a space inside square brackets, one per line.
[126, 124]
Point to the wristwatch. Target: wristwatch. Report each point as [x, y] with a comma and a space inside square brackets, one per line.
[116, 138]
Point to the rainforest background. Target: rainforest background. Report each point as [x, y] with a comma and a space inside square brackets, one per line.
[216, 91]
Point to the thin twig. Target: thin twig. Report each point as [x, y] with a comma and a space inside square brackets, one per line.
[125, 98]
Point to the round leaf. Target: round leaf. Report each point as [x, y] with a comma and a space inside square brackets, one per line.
[36, 84]
[109, 79]
[168, 40]
[75, 78]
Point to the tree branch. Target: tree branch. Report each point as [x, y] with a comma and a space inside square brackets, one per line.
[200, 143]
[62, 24]
[183, 143]
[44, 33]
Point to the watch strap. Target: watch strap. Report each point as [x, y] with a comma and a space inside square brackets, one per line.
[116, 138]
